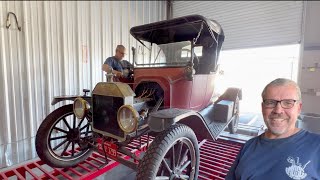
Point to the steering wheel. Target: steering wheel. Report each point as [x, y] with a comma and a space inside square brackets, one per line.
[128, 73]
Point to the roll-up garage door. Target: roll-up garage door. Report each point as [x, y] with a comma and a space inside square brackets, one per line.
[249, 24]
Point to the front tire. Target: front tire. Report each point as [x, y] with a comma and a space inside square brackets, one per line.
[61, 139]
[174, 154]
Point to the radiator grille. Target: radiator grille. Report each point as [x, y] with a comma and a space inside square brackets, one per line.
[105, 110]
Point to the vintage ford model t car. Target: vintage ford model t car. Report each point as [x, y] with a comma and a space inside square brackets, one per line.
[169, 98]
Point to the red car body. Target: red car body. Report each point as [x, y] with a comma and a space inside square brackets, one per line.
[179, 92]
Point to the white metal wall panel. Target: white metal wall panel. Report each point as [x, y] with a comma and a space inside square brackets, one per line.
[250, 23]
[59, 51]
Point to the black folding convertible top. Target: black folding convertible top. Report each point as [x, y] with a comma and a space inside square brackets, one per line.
[179, 29]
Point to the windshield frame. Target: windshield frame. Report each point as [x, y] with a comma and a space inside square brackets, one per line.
[171, 61]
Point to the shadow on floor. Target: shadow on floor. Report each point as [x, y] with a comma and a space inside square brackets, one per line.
[120, 172]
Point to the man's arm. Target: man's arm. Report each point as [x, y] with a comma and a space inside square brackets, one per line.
[108, 69]
[231, 173]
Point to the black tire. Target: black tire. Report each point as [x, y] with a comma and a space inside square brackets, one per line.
[173, 148]
[61, 138]
[233, 125]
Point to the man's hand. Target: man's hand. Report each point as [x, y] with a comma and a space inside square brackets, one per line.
[117, 73]
[106, 68]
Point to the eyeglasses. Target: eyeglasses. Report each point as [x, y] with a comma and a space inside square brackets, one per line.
[123, 53]
[285, 103]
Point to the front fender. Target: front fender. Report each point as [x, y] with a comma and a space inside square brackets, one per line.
[57, 99]
[163, 119]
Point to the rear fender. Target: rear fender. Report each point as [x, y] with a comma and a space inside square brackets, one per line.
[57, 99]
[163, 119]
[231, 94]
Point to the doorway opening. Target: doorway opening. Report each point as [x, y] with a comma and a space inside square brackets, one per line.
[252, 69]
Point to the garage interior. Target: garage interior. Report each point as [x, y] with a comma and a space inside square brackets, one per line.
[53, 48]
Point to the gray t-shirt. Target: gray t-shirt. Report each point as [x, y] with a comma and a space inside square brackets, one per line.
[114, 63]
[295, 157]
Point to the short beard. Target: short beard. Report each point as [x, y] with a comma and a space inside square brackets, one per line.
[276, 132]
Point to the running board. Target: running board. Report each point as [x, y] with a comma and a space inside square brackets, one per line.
[214, 126]
[202, 123]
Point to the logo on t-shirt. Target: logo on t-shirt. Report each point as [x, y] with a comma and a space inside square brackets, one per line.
[296, 170]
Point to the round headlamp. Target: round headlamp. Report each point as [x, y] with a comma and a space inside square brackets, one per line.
[80, 107]
[127, 118]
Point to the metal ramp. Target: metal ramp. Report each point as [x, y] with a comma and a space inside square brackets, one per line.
[216, 157]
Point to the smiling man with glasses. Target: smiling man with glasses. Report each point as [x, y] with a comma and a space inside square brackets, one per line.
[281, 107]
[283, 151]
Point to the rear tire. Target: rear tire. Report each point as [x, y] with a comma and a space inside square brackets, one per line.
[61, 141]
[174, 154]
[233, 125]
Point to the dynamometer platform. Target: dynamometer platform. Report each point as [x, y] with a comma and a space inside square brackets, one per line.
[216, 158]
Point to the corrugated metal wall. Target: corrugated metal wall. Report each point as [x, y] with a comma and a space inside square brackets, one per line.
[59, 51]
[250, 24]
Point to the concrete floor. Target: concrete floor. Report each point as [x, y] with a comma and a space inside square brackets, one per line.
[120, 172]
